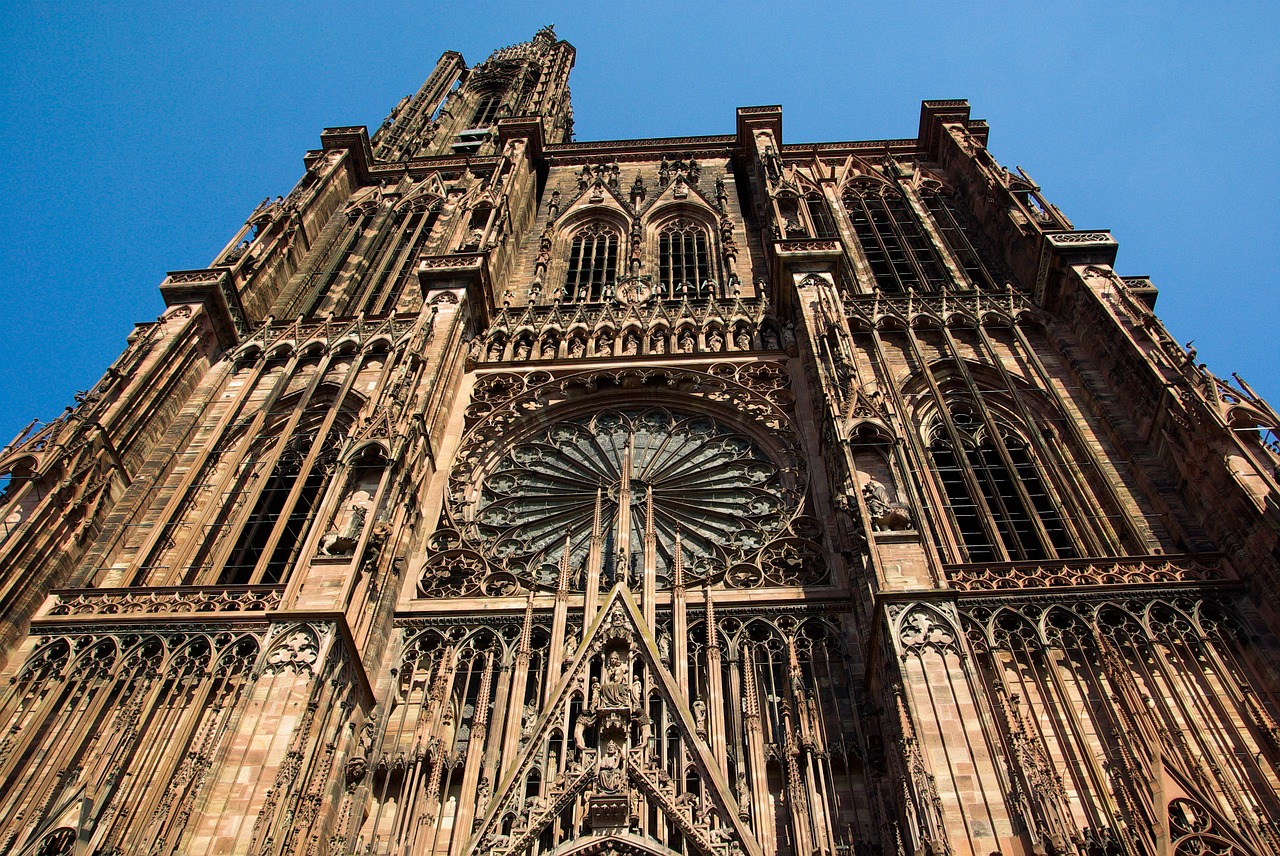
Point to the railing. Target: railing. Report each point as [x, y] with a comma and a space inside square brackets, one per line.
[161, 601]
[1064, 573]
[975, 304]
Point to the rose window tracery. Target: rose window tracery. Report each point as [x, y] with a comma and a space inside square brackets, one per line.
[688, 474]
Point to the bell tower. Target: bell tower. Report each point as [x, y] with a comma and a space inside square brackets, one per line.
[457, 110]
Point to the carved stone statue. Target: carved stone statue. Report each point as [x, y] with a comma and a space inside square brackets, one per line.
[528, 719]
[886, 515]
[615, 690]
[344, 542]
[611, 777]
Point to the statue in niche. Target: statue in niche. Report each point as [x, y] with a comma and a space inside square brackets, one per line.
[615, 689]
[886, 514]
[743, 796]
[576, 347]
[495, 350]
[604, 345]
[529, 718]
[664, 647]
[700, 717]
[548, 349]
[742, 341]
[631, 344]
[522, 349]
[789, 337]
[770, 339]
[343, 542]
[714, 341]
[686, 342]
[611, 778]
[657, 344]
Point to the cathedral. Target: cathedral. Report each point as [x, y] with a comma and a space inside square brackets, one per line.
[499, 493]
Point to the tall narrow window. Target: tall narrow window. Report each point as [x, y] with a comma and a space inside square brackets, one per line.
[486, 110]
[958, 236]
[824, 226]
[896, 247]
[593, 263]
[272, 535]
[996, 496]
[399, 264]
[684, 266]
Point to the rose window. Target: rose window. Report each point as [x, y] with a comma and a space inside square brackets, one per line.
[642, 471]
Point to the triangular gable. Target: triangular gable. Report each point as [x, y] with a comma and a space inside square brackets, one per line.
[596, 198]
[610, 777]
[672, 193]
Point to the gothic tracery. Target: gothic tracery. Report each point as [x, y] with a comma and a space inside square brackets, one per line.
[498, 492]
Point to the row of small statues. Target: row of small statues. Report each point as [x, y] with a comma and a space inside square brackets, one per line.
[603, 345]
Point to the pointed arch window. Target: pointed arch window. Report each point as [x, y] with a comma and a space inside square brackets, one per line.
[956, 232]
[999, 501]
[684, 262]
[824, 225]
[896, 247]
[593, 263]
[271, 537]
[486, 110]
[414, 228]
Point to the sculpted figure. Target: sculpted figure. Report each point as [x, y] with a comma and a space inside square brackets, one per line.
[615, 690]
[886, 515]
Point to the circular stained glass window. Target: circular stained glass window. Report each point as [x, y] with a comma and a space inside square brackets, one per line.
[644, 474]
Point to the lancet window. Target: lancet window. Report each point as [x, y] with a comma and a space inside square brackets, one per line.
[593, 263]
[897, 249]
[337, 256]
[684, 260]
[71, 701]
[824, 225]
[955, 232]
[393, 269]
[486, 110]
[997, 498]
[301, 464]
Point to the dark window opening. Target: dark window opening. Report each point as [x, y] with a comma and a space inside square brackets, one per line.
[593, 264]
[824, 225]
[486, 110]
[973, 259]
[684, 264]
[1021, 528]
[898, 250]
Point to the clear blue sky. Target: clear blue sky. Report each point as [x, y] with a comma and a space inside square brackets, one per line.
[136, 137]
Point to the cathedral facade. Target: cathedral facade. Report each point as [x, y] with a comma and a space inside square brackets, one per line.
[498, 493]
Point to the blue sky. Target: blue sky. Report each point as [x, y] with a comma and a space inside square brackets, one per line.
[136, 137]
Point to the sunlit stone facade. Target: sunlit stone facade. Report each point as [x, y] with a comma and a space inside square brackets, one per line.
[494, 492]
